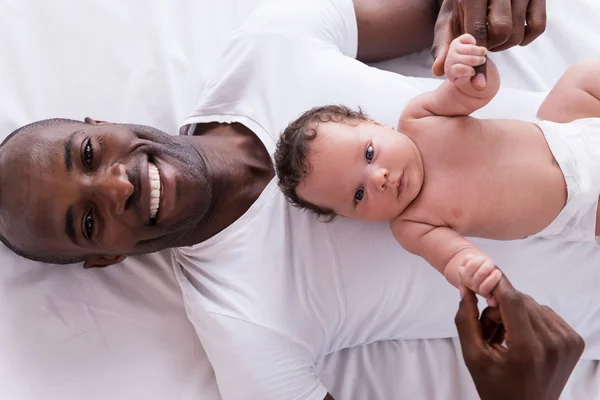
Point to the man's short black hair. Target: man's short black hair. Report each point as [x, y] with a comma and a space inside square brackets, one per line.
[44, 123]
[50, 259]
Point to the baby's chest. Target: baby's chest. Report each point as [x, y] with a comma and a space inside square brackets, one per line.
[454, 200]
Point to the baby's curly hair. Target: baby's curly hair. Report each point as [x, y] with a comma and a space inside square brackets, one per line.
[293, 150]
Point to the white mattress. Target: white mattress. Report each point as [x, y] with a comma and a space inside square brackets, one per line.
[121, 333]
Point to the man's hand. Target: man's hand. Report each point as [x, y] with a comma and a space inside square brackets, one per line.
[480, 275]
[541, 348]
[495, 24]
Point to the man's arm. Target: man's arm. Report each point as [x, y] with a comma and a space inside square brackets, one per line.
[393, 28]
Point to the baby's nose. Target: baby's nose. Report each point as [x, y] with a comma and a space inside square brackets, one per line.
[379, 179]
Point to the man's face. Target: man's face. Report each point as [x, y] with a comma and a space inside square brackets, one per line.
[99, 191]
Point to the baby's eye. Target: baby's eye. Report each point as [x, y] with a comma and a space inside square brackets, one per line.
[358, 195]
[369, 154]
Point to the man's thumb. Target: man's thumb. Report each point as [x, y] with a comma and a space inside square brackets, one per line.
[440, 51]
[442, 37]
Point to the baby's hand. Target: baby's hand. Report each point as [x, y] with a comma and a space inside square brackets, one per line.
[463, 56]
[481, 276]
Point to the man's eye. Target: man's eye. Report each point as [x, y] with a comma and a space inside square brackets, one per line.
[88, 154]
[369, 154]
[358, 195]
[88, 225]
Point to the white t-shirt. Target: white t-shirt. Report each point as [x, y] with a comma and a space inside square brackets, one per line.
[277, 290]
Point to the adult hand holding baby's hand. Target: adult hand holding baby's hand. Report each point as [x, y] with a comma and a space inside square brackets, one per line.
[541, 348]
[495, 24]
[480, 275]
[462, 59]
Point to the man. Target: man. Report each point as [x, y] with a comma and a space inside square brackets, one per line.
[269, 289]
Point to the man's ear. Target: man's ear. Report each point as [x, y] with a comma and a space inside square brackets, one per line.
[102, 261]
[92, 121]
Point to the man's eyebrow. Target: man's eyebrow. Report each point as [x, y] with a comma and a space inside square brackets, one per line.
[68, 146]
[70, 225]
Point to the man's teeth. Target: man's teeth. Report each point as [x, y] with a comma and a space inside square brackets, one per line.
[154, 177]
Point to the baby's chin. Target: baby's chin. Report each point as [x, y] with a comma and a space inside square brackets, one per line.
[380, 217]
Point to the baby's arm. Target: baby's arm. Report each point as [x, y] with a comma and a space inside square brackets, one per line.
[463, 92]
[447, 251]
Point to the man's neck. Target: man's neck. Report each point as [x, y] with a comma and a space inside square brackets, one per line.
[239, 168]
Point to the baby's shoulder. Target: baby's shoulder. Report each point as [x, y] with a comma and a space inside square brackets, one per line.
[409, 228]
[461, 121]
[422, 211]
[441, 131]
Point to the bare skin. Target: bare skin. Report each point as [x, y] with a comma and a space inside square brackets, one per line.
[208, 180]
[534, 335]
[448, 175]
[237, 165]
[520, 187]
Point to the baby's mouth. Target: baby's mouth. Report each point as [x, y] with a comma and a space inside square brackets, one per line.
[400, 185]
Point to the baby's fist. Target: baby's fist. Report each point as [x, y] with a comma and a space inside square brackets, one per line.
[480, 275]
[463, 56]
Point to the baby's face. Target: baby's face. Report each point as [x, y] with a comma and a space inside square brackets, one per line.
[366, 171]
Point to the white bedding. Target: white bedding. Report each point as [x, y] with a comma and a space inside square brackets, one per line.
[121, 333]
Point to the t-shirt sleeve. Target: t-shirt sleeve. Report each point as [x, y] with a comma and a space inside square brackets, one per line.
[331, 21]
[255, 362]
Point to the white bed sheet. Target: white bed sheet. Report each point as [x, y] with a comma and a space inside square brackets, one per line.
[121, 333]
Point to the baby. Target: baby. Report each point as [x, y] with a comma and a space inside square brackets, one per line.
[445, 175]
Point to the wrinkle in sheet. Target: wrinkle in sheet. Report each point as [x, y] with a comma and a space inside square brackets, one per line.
[92, 317]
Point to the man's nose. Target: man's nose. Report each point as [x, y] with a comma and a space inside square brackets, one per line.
[113, 187]
[379, 178]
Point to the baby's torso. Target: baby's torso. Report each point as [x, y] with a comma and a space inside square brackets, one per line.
[495, 179]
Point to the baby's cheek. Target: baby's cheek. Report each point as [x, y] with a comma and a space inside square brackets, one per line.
[384, 209]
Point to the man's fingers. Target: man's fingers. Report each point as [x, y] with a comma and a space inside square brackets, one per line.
[514, 313]
[469, 327]
[440, 60]
[519, 11]
[543, 326]
[536, 21]
[457, 20]
[498, 337]
[570, 337]
[475, 19]
[490, 322]
[500, 19]
[558, 320]
[442, 37]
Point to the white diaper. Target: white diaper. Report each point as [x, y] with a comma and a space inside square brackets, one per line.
[576, 148]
